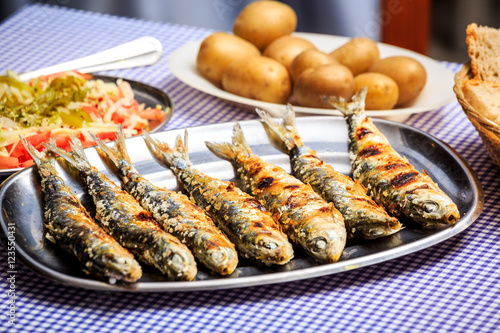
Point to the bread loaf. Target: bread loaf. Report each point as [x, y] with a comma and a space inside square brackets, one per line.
[484, 97]
[484, 52]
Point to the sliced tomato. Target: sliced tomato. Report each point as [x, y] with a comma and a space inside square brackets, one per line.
[9, 162]
[62, 140]
[118, 118]
[151, 113]
[26, 164]
[36, 141]
[91, 110]
[106, 136]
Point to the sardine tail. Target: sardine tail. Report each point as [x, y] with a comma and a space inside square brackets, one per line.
[35, 154]
[239, 141]
[181, 147]
[283, 136]
[118, 151]
[228, 151]
[76, 158]
[348, 108]
[223, 150]
[44, 159]
[165, 155]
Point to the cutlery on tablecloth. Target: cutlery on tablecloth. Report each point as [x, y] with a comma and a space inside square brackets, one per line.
[139, 52]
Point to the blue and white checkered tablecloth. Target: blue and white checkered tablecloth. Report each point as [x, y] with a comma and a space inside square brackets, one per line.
[450, 287]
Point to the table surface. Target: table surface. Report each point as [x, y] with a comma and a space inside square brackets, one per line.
[450, 287]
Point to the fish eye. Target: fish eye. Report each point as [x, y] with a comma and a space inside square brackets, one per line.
[319, 243]
[430, 206]
[375, 232]
[217, 256]
[270, 245]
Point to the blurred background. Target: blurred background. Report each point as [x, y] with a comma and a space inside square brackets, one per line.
[432, 27]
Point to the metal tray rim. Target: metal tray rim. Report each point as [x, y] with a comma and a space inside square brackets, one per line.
[277, 277]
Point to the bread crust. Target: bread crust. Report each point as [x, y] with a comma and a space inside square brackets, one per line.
[484, 52]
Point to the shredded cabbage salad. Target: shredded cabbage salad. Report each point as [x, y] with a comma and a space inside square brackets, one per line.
[59, 105]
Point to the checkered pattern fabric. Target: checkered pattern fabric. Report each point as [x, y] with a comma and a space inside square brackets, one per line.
[450, 287]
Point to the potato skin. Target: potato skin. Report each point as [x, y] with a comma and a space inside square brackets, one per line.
[408, 73]
[330, 80]
[286, 48]
[259, 78]
[219, 50]
[382, 91]
[261, 22]
[358, 54]
[310, 58]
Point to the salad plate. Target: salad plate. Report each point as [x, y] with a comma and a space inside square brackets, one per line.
[437, 92]
[21, 203]
[144, 94]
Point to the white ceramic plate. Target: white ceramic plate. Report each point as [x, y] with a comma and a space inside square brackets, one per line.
[437, 92]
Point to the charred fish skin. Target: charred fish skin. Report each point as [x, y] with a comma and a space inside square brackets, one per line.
[126, 221]
[306, 218]
[242, 218]
[389, 178]
[175, 213]
[70, 226]
[363, 218]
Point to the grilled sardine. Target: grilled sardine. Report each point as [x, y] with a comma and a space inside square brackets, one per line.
[126, 221]
[242, 218]
[70, 226]
[389, 178]
[311, 222]
[174, 211]
[362, 216]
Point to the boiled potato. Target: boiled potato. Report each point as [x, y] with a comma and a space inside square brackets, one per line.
[358, 54]
[310, 58]
[261, 22]
[286, 48]
[259, 78]
[382, 91]
[219, 50]
[330, 80]
[408, 73]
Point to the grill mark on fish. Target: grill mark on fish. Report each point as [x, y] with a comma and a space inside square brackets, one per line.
[359, 211]
[392, 166]
[70, 226]
[421, 187]
[265, 182]
[314, 157]
[255, 170]
[175, 213]
[241, 217]
[325, 209]
[145, 216]
[378, 174]
[362, 132]
[255, 204]
[295, 205]
[404, 179]
[126, 221]
[372, 150]
[362, 199]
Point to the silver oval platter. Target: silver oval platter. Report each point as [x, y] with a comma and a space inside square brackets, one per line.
[21, 202]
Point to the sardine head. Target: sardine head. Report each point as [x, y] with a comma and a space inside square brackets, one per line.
[432, 209]
[220, 259]
[375, 228]
[274, 249]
